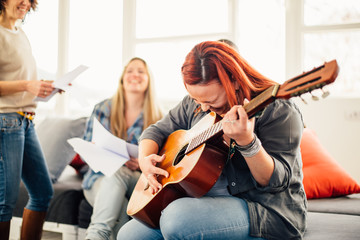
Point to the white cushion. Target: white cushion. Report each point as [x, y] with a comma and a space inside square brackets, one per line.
[53, 134]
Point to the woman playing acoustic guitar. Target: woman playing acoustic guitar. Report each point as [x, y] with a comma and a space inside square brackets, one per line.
[259, 193]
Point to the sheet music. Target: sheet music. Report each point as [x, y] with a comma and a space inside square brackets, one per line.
[62, 83]
[106, 153]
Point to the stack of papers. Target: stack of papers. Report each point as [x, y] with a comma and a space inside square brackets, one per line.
[106, 153]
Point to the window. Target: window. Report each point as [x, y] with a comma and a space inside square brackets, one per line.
[280, 38]
[331, 12]
[162, 32]
[95, 40]
[261, 40]
[165, 31]
[41, 29]
[331, 30]
[166, 66]
[163, 18]
[342, 46]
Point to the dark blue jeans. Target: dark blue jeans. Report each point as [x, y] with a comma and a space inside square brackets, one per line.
[21, 157]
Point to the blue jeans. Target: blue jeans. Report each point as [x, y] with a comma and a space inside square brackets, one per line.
[220, 217]
[21, 157]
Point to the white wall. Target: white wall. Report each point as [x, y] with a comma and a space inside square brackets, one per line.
[337, 124]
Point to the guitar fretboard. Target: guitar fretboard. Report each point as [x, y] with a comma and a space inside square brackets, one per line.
[204, 136]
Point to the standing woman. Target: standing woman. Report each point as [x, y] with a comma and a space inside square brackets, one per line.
[21, 156]
[125, 115]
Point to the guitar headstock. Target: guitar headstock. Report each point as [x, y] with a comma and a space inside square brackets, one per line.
[308, 81]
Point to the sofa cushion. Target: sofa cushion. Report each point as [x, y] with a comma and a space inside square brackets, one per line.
[323, 176]
[79, 165]
[85, 212]
[53, 134]
[342, 205]
[331, 226]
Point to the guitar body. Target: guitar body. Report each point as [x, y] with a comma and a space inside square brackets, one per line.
[191, 174]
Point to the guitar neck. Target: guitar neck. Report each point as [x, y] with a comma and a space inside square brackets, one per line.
[261, 100]
[251, 109]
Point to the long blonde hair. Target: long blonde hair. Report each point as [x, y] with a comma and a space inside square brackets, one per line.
[151, 110]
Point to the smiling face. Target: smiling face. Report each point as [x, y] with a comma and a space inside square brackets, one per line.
[210, 97]
[136, 78]
[16, 9]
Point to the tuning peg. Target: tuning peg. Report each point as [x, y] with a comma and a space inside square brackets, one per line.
[315, 98]
[325, 93]
[303, 100]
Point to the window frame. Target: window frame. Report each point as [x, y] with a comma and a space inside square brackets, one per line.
[295, 29]
[129, 30]
[295, 32]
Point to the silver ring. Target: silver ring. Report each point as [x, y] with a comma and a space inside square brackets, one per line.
[149, 175]
[229, 121]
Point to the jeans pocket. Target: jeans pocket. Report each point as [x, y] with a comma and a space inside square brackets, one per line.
[11, 122]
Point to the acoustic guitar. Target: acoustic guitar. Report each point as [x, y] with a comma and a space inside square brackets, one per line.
[195, 158]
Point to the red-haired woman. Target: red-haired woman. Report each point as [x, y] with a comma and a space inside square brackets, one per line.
[259, 194]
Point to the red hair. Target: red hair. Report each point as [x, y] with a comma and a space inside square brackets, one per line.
[216, 60]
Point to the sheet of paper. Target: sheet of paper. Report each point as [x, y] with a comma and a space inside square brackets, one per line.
[106, 153]
[133, 150]
[40, 99]
[62, 83]
[106, 140]
[98, 158]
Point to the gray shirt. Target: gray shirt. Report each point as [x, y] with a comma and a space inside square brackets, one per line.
[277, 211]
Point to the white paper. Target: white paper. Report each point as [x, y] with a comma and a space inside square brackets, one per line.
[98, 158]
[103, 138]
[63, 82]
[106, 153]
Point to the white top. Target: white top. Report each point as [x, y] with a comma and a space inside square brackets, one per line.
[16, 63]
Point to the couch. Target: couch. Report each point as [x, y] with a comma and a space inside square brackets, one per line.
[333, 196]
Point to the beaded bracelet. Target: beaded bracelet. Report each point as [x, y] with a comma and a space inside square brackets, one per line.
[251, 149]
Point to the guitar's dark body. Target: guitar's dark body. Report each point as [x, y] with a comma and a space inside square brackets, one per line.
[191, 175]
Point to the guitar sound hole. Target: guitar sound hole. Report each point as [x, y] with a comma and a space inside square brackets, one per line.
[180, 155]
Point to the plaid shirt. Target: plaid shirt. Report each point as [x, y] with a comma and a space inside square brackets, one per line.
[102, 113]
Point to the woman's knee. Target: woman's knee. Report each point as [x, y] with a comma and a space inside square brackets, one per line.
[125, 176]
[41, 200]
[178, 214]
[203, 215]
[135, 230]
